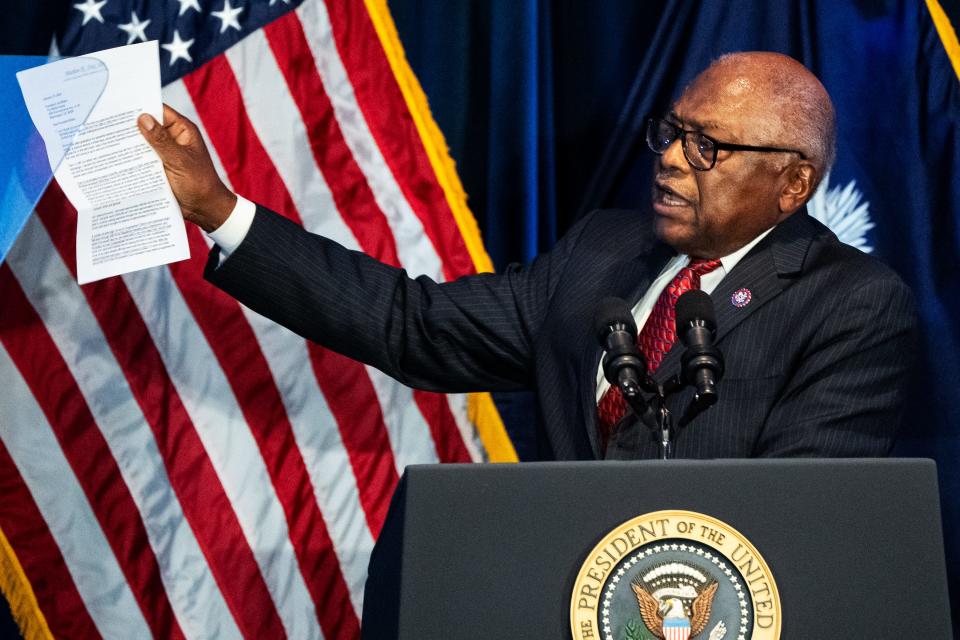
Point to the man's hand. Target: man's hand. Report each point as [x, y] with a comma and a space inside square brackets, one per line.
[203, 197]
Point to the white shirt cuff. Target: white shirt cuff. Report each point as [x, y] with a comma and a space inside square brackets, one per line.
[231, 233]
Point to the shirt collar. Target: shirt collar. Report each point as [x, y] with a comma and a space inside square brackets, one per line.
[728, 262]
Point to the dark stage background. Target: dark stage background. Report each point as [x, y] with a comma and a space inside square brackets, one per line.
[541, 101]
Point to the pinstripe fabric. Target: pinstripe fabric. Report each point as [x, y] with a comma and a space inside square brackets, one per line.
[815, 364]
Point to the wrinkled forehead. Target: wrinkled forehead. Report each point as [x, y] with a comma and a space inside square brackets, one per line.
[729, 101]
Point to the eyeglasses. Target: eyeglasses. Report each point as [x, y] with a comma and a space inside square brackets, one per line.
[699, 149]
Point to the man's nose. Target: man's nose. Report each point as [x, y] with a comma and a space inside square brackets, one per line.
[673, 157]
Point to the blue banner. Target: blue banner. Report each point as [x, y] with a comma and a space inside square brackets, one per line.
[25, 166]
[895, 188]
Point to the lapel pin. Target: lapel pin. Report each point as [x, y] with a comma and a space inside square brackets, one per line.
[741, 298]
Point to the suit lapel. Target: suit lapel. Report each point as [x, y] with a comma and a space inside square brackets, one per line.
[629, 280]
[757, 281]
[763, 273]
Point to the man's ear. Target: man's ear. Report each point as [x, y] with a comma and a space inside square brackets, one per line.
[798, 187]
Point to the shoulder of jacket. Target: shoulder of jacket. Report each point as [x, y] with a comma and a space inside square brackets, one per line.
[614, 227]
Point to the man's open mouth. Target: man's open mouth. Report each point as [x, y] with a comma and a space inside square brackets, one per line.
[665, 195]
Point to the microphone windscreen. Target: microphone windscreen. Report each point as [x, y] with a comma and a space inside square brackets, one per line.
[613, 311]
[695, 305]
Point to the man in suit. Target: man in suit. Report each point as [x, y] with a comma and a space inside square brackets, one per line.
[817, 336]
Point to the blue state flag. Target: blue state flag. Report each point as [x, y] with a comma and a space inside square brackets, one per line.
[893, 71]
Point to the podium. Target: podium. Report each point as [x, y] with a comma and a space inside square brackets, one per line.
[852, 548]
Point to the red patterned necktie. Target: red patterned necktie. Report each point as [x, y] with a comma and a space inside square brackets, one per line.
[655, 339]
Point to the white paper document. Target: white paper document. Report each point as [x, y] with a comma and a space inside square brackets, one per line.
[128, 218]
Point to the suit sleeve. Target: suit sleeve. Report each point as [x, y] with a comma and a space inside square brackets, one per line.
[844, 398]
[475, 333]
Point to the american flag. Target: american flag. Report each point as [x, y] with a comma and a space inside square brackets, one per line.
[172, 464]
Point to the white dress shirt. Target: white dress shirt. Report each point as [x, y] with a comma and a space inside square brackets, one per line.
[231, 233]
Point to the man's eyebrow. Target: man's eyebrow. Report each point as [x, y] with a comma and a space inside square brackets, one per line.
[697, 124]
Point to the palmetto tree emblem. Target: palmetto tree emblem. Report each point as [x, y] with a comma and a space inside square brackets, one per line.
[844, 211]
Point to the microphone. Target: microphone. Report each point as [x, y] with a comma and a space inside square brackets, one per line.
[623, 366]
[702, 362]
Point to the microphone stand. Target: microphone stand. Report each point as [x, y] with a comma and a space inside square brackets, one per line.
[654, 415]
[664, 425]
[664, 429]
[665, 422]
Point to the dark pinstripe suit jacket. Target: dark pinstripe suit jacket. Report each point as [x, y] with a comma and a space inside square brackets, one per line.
[815, 363]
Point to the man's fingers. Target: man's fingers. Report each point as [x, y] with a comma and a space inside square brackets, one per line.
[170, 115]
[147, 123]
[156, 135]
[181, 132]
[175, 130]
[179, 127]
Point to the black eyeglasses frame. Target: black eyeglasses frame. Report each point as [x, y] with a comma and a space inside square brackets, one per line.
[717, 144]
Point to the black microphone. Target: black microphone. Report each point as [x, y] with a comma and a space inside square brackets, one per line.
[623, 366]
[702, 362]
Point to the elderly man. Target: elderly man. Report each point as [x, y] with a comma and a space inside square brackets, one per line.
[817, 336]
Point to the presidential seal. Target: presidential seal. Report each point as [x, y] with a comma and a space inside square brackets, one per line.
[675, 575]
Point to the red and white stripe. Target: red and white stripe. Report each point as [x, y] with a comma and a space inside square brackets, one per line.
[174, 465]
[676, 631]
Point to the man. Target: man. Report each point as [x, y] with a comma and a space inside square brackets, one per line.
[816, 335]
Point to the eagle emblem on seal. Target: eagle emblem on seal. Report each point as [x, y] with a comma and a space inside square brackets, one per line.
[671, 605]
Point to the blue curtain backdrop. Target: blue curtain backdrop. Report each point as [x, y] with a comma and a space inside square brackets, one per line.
[607, 64]
[527, 93]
